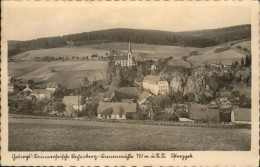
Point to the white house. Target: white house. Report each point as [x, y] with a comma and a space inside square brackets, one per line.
[153, 67]
[155, 84]
[52, 86]
[41, 94]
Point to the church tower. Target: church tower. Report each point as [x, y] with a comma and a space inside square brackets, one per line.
[130, 57]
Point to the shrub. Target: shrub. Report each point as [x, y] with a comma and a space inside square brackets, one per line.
[221, 49]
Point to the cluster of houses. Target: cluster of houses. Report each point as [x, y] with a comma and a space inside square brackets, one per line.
[124, 101]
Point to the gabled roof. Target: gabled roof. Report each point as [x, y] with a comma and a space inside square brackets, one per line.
[72, 100]
[144, 95]
[124, 93]
[126, 107]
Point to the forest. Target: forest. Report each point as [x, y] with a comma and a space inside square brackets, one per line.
[199, 38]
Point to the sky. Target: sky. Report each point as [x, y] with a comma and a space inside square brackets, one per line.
[27, 23]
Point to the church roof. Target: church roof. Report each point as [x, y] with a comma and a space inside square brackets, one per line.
[117, 58]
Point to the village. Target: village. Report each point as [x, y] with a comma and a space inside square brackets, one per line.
[143, 90]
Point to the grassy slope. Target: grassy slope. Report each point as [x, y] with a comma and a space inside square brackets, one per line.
[62, 135]
[63, 52]
[69, 74]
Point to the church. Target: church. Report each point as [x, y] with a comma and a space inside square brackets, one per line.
[125, 60]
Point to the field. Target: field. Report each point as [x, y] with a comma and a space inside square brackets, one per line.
[226, 57]
[73, 135]
[69, 74]
[61, 52]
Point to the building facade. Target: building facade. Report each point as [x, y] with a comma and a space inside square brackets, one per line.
[155, 84]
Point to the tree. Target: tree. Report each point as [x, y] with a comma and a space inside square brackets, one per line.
[31, 83]
[121, 112]
[26, 106]
[58, 106]
[242, 62]
[248, 61]
[86, 81]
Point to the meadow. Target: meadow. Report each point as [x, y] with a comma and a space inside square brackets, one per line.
[73, 135]
[69, 74]
[61, 52]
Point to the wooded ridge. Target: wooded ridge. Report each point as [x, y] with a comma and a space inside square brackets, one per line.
[198, 38]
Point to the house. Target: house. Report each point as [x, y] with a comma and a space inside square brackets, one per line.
[125, 61]
[219, 65]
[143, 97]
[73, 104]
[176, 84]
[10, 87]
[143, 102]
[41, 94]
[27, 89]
[117, 110]
[153, 67]
[200, 112]
[241, 115]
[223, 95]
[155, 84]
[124, 94]
[52, 86]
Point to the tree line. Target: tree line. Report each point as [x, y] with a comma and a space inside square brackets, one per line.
[202, 38]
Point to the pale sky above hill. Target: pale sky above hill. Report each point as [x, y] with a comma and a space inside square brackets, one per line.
[30, 23]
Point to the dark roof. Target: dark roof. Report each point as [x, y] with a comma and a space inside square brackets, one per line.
[127, 107]
[144, 95]
[124, 93]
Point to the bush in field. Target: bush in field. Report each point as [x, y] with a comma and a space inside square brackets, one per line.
[162, 116]
[218, 50]
[59, 106]
[130, 115]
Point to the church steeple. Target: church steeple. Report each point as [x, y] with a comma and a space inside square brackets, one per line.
[130, 58]
[130, 49]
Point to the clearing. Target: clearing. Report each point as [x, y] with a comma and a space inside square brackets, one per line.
[73, 135]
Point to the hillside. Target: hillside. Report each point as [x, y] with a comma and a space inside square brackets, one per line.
[69, 74]
[199, 39]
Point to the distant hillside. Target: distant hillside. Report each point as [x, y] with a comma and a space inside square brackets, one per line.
[200, 38]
